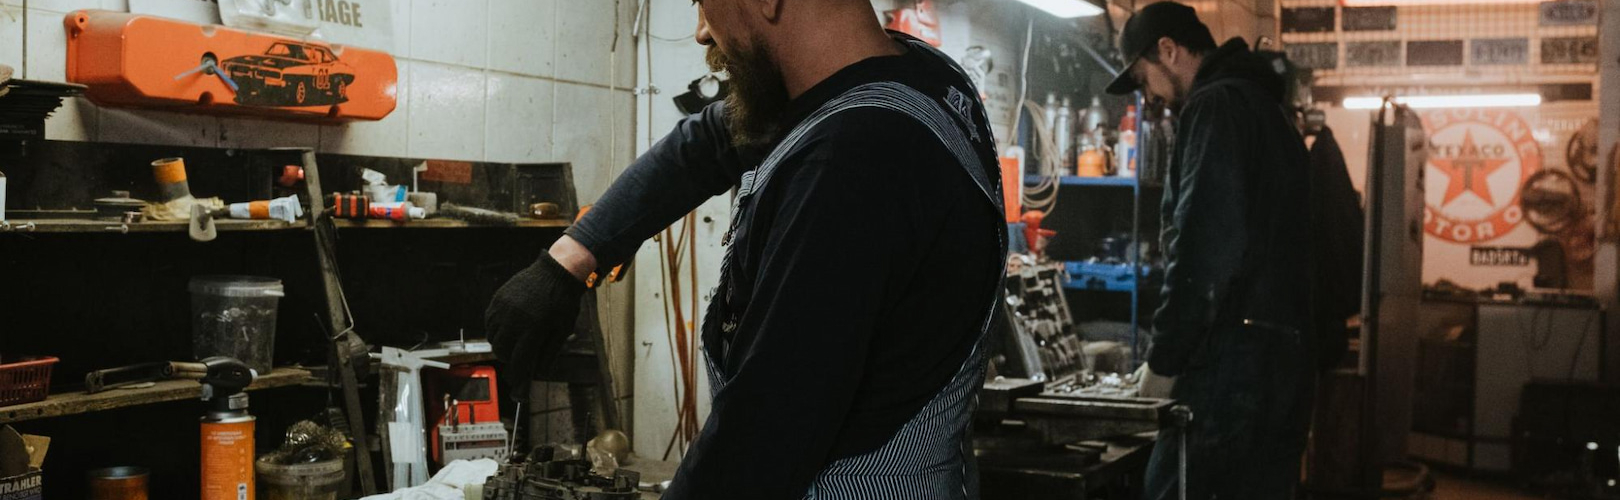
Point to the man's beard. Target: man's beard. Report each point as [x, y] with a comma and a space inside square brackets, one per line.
[758, 96]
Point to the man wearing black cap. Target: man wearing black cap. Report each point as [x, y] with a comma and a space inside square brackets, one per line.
[1231, 326]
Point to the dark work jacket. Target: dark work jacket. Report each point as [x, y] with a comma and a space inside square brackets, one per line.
[862, 275]
[1236, 217]
[1338, 233]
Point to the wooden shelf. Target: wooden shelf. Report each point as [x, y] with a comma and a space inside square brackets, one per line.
[25, 226]
[74, 403]
[445, 224]
[102, 226]
[1070, 180]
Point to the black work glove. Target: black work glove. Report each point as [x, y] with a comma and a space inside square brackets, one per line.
[529, 318]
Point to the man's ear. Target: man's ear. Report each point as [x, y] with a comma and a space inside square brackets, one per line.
[1167, 50]
[771, 9]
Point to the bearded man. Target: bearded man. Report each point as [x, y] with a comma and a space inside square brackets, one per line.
[863, 261]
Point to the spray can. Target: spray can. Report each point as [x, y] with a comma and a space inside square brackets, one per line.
[227, 451]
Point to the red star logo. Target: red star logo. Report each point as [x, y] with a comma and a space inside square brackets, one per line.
[1468, 171]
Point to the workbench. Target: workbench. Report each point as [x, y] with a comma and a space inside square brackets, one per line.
[1053, 474]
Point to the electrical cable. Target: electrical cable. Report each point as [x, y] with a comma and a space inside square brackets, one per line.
[1023, 84]
[1575, 354]
[1043, 194]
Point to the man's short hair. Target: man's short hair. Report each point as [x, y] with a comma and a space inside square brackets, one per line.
[1197, 41]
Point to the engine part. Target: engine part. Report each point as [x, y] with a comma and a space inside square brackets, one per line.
[538, 477]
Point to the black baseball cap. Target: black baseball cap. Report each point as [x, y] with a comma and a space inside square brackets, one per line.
[1143, 31]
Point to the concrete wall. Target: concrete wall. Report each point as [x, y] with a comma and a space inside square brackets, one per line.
[479, 80]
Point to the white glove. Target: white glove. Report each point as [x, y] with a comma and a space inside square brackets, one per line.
[1153, 385]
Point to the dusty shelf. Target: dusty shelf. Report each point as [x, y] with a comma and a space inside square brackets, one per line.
[74, 403]
[444, 224]
[102, 226]
[27, 226]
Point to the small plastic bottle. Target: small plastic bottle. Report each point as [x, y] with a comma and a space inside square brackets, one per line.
[1125, 148]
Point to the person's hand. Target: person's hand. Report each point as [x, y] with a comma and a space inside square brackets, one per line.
[1153, 385]
[530, 317]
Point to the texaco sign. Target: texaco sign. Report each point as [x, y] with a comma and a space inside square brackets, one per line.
[1482, 157]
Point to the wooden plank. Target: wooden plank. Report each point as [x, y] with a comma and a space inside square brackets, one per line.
[1500, 51]
[74, 403]
[1369, 18]
[441, 224]
[341, 325]
[1434, 53]
[1569, 13]
[1308, 19]
[102, 226]
[1314, 55]
[1569, 50]
[1372, 54]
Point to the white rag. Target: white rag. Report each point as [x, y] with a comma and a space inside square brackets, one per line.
[447, 484]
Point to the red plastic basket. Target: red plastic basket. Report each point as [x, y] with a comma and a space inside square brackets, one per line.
[25, 381]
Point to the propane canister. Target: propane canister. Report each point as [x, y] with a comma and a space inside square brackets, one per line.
[227, 452]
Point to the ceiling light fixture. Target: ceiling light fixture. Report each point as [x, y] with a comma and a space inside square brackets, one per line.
[1066, 9]
[1449, 101]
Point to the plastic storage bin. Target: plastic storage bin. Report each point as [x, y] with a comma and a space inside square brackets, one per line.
[25, 381]
[235, 316]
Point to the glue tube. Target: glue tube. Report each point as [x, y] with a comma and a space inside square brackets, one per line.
[396, 211]
[283, 209]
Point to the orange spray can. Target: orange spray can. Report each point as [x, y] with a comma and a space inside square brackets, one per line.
[227, 431]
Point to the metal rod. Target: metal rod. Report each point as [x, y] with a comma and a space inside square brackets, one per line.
[337, 315]
[1101, 61]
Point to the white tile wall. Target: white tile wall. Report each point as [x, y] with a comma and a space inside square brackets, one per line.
[46, 61]
[401, 12]
[11, 38]
[518, 123]
[446, 112]
[585, 50]
[465, 67]
[65, 6]
[587, 116]
[450, 31]
[385, 137]
[522, 36]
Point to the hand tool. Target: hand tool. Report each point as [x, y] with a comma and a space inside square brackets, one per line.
[113, 378]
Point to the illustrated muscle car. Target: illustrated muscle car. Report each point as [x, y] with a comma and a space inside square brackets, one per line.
[290, 74]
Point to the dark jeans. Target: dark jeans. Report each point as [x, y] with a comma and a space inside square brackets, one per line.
[1250, 393]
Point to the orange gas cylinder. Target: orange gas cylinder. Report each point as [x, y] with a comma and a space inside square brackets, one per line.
[154, 62]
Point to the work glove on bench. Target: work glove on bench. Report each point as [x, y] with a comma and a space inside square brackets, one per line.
[529, 318]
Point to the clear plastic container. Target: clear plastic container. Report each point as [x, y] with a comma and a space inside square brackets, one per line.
[235, 316]
[323, 480]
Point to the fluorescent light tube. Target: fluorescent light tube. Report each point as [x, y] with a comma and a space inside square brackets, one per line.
[1449, 101]
[1066, 9]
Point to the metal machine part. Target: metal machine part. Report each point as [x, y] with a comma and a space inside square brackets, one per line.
[472, 441]
[539, 477]
[1047, 345]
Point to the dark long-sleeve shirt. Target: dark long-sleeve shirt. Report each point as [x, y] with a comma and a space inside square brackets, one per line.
[863, 276]
[1236, 212]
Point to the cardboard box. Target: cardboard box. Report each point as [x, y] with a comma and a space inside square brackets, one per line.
[30, 486]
